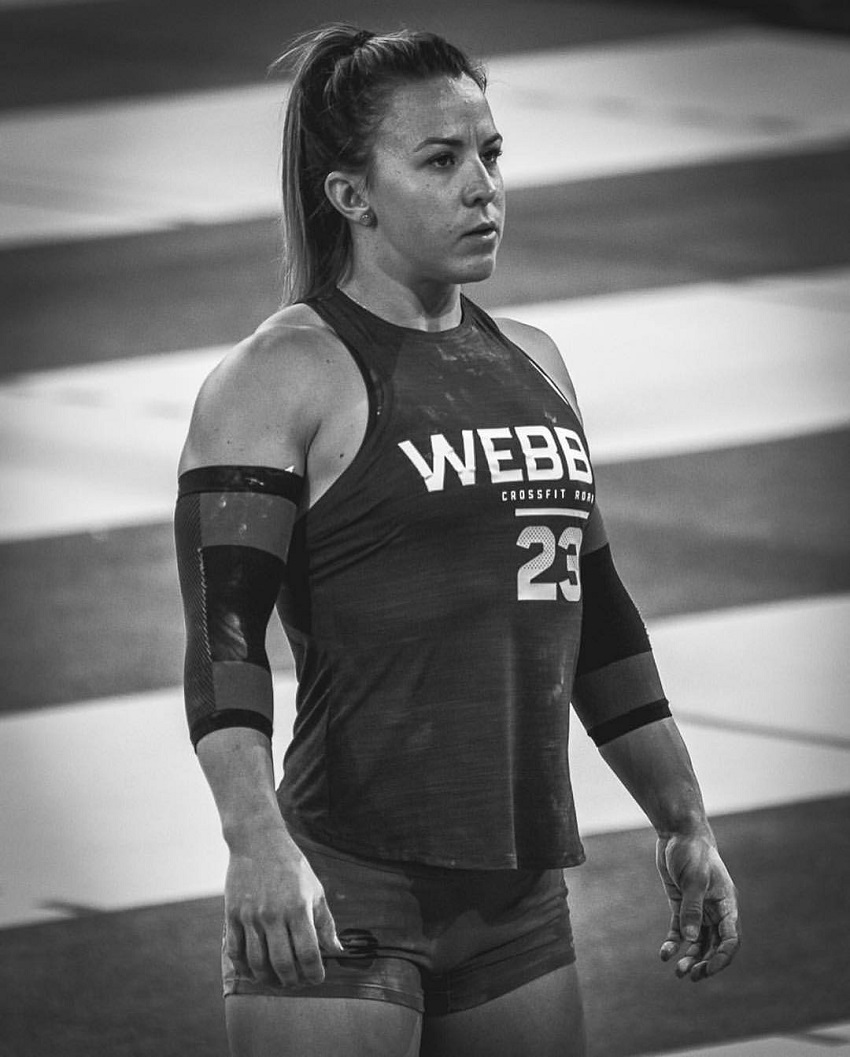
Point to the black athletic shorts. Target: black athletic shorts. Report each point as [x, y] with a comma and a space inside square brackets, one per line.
[434, 939]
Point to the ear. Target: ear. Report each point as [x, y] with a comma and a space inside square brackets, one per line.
[346, 194]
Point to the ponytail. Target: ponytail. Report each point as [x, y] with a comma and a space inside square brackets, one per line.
[343, 77]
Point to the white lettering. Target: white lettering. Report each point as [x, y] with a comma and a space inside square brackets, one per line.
[496, 456]
[520, 453]
[442, 454]
[578, 461]
[542, 460]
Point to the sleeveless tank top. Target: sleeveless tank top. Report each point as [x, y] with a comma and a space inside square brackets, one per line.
[434, 608]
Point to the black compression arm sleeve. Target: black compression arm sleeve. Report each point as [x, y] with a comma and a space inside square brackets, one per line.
[232, 527]
[617, 687]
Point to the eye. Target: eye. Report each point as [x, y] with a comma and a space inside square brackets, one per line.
[491, 157]
[442, 161]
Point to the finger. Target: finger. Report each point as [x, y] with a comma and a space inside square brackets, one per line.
[691, 911]
[256, 954]
[326, 928]
[725, 940]
[727, 924]
[692, 954]
[699, 971]
[673, 939]
[669, 948]
[281, 956]
[305, 948]
[716, 958]
[234, 942]
[722, 957]
[698, 956]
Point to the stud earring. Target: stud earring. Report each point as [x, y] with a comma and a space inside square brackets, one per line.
[366, 219]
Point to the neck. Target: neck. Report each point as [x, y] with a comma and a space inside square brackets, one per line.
[430, 307]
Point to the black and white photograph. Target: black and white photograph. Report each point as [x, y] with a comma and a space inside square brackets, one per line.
[424, 504]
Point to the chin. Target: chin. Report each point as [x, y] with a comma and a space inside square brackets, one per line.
[477, 272]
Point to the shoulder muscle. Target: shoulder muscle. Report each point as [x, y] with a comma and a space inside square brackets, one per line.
[262, 404]
[542, 349]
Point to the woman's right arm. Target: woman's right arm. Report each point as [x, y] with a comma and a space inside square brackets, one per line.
[241, 476]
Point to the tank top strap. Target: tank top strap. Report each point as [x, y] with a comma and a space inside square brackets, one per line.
[370, 351]
[481, 320]
[356, 328]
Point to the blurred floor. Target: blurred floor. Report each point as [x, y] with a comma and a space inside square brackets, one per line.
[679, 179]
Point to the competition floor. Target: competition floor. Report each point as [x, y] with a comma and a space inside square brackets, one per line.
[679, 219]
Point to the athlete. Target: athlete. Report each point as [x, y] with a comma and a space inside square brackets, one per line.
[408, 481]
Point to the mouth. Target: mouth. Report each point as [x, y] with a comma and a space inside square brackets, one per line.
[489, 229]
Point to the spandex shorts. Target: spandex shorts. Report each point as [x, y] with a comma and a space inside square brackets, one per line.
[433, 939]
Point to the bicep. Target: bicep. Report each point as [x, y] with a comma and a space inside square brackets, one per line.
[240, 485]
[617, 687]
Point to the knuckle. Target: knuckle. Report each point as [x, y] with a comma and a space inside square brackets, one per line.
[234, 916]
[245, 913]
[269, 915]
[301, 926]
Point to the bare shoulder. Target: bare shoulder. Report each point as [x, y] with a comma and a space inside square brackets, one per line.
[542, 349]
[263, 403]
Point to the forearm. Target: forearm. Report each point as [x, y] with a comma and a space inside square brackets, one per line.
[237, 764]
[618, 696]
[232, 526]
[653, 764]
[277, 919]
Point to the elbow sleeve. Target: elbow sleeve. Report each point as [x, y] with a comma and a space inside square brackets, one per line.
[232, 529]
[617, 687]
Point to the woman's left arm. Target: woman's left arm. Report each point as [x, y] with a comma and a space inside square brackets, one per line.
[618, 696]
[653, 764]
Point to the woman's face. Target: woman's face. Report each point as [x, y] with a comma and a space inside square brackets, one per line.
[435, 187]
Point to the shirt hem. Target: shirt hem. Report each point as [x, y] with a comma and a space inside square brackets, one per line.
[412, 858]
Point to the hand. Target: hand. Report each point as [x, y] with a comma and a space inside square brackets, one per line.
[276, 918]
[703, 903]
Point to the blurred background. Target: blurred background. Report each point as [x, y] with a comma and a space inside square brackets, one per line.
[679, 220]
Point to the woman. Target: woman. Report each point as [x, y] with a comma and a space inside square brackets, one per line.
[408, 481]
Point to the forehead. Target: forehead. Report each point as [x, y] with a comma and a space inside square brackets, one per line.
[442, 107]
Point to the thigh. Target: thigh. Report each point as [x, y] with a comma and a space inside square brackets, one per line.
[544, 1017]
[266, 1026]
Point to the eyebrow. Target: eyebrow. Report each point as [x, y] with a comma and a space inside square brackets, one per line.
[452, 141]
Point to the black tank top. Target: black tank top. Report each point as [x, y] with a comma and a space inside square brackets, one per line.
[434, 608]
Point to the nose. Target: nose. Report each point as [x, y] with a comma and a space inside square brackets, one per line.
[482, 187]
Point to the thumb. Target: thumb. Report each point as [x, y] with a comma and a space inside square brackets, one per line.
[326, 929]
[691, 910]
[687, 862]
